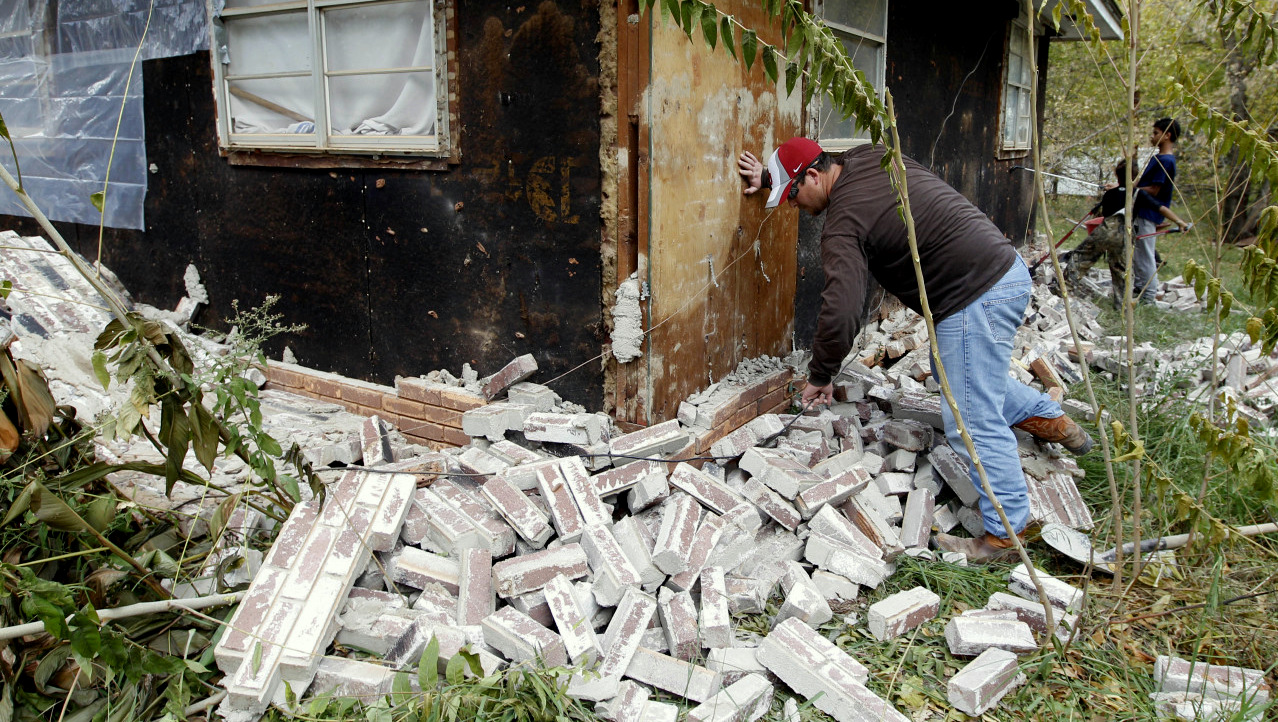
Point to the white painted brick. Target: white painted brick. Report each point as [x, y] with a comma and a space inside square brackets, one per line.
[520, 638]
[709, 491]
[647, 492]
[834, 490]
[715, 619]
[744, 701]
[619, 645]
[733, 663]
[589, 504]
[475, 599]
[575, 632]
[674, 540]
[630, 537]
[899, 613]
[679, 623]
[835, 587]
[805, 602]
[772, 504]
[525, 518]
[703, 543]
[812, 666]
[563, 508]
[417, 568]
[672, 675]
[916, 526]
[612, 570]
[827, 553]
[978, 687]
[530, 572]
[1062, 595]
[969, 635]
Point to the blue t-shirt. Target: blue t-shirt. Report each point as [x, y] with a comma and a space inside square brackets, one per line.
[1160, 171]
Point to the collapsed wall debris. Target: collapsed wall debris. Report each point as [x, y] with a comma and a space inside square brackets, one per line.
[535, 530]
[551, 535]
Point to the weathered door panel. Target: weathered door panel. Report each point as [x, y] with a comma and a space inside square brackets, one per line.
[722, 276]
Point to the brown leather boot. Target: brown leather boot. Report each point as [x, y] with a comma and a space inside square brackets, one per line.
[984, 549]
[1062, 430]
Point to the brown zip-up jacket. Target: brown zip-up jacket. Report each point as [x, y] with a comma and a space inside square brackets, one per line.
[962, 252]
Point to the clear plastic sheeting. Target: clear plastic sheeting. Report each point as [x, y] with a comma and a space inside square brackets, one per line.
[178, 27]
[63, 81]
[64, 161]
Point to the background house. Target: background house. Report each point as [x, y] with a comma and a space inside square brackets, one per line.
[429, 183]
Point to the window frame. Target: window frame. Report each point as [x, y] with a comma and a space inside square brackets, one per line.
[817, 106]
[1016, 27]
[317, 150]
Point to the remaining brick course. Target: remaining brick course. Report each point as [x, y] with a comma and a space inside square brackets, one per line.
[426, 413]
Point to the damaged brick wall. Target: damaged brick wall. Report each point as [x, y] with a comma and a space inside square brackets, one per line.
[398, 272]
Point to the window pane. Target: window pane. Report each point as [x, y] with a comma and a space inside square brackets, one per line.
[867, 56]
[273, 105]
[268, 44]
[366, 37]
[389, 104]
[867, 15]
[389, 36]
[255, 3]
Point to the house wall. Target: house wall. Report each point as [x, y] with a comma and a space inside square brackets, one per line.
[945, 71]
[398, 272]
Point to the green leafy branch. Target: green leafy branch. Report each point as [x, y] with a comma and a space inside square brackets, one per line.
[808, 50]
[1255, 28]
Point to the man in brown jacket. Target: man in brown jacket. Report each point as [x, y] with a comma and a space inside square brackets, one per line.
[978, 289]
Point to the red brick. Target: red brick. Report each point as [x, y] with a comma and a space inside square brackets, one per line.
[459, 399]
[417, 389]
[768, 403]
[780, 380]
[739, 418]
[322, 387]
[394, 419]
[404, 407]
[364, 397]
[754, 391]
[284, 377]
[707, 439]
[442, 416]
[686, 452]
[455, 437]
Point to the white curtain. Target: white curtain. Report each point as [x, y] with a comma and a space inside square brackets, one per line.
[365, 38]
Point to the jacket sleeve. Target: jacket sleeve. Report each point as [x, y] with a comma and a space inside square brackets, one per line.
[842, 302]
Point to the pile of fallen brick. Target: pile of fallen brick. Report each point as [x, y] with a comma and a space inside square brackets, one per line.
[1241, 371]
[544, 538]
[553, 537]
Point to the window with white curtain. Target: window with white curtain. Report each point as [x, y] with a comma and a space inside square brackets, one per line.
[337, 76]
[861, 25]
[1018, 88]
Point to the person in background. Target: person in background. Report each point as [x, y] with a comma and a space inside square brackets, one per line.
[1158, 180]
[1105, 234]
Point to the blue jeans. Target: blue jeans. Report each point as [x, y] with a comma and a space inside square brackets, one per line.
[976, 348]
[1144, 268]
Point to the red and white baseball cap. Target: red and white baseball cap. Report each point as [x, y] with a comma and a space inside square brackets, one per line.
[786, 163]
